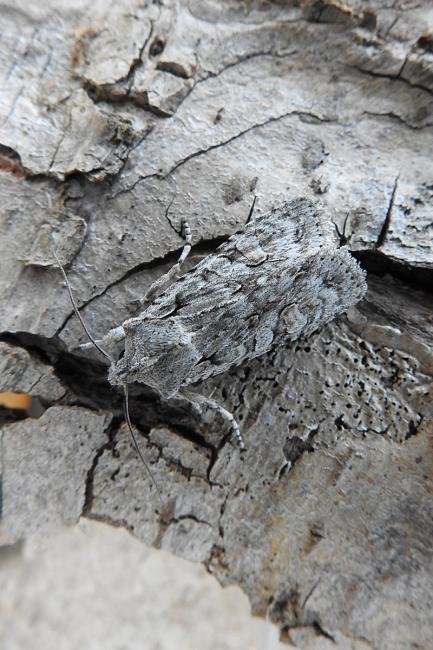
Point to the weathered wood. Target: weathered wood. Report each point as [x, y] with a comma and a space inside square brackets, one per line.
[118, 120]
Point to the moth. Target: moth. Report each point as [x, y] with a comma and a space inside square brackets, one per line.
[282, 277]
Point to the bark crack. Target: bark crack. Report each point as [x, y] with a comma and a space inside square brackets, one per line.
[189, 517]
[388, 216]
[209, 74]
[139, 60]
[392, 77]
[218, 145]
[395, 116]
[167, 518]
[201, 152]
[221, 514]
[110, 432]
[59, 144]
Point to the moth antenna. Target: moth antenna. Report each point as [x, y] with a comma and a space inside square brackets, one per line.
[77, 312]
[110, 358]
[134, 439]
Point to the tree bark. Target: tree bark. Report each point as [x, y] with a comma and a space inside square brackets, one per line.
[119, 119]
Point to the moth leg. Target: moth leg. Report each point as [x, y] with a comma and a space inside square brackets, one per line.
[342, 236]
[109, 340]
[201, 400]
[164, 281]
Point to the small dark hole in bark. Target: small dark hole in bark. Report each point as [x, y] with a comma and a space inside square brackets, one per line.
[369, 20]
[425, 42]
[157, 46]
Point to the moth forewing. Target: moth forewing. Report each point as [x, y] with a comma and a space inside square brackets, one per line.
[282, 277]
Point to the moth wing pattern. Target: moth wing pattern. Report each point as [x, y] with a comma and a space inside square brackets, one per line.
[282, 277]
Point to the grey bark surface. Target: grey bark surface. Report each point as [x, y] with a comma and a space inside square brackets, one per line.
[118, 119]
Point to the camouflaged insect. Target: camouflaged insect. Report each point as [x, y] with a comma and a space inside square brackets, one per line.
[282, 277]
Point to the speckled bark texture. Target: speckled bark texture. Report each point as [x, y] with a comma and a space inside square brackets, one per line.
[118, 120]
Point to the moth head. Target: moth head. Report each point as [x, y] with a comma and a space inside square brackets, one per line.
[158, 353]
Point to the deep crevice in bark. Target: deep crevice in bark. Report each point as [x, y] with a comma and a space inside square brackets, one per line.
[377, 263]
[111, 432]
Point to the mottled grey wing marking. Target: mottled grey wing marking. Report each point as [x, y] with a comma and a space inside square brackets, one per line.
[280, 278]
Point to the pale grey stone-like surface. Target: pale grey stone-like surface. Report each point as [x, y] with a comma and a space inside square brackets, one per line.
[118, 119]
[59, 595]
